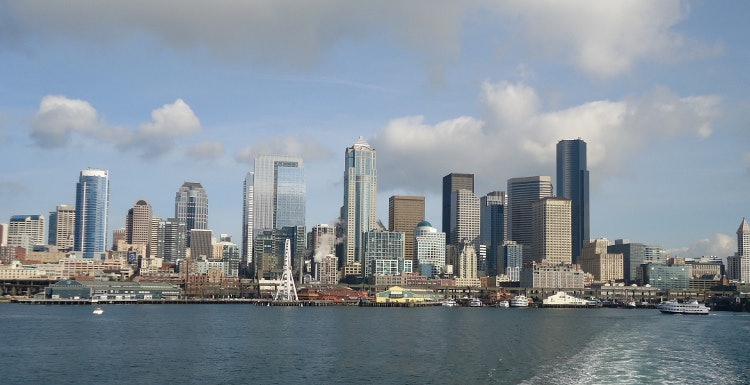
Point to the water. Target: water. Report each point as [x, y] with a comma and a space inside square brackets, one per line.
[240, 344]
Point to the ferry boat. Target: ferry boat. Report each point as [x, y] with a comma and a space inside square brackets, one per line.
[519, 301]
[449, 303]
[98, 311]
[674, 307]
[563, 299]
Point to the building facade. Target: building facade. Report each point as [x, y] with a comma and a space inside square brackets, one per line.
[279, 192]
[247, 219]
[551, 230]
[138, 224]
[573, 184]
[465, 218]
[429, 249]
[92, 213]
[453, 182]
[382, 252]
[25, 231]
[191, 207]
[512, 260]
[522, 192]
[359, 212]
[605, 266]
[492, 227]
[62, 226]
[404, 213]
[546, 276]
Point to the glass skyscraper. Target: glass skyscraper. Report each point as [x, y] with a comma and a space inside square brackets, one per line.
[92, 206]
[573, 184]
[191, 207]
[278, 194]
[359, 213]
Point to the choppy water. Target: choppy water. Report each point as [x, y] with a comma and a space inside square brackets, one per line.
[240, 344]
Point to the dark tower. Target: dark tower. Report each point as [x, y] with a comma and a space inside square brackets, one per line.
[573, 184]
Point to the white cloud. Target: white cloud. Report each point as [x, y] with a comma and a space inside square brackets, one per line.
[515, 138]
[60, 119]
[303, 146]
[720, 245]
[206, 151]
[600, 38]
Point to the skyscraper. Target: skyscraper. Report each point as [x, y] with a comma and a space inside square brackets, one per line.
[492, 227]
[138, 223]
[452, 182]
[191, 207]
[743, 238]
[573, 184]
[429, 249]
[171, 237]
[247, 219]
[521, 193]
[278, 192]
[92, 212]
[404, 213]
[359, 213]
[62, 226]
[464, 218]
[25, 231]
[551, 226]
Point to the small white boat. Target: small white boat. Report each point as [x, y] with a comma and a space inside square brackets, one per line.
[98, 311]
[475, 302]
[519, 301]
[503, 304]
[449, 303]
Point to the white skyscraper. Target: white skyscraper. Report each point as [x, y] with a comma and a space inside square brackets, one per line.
[247, 219]
[465, 218]
[551, 231]
[429, 249]
[359, 213]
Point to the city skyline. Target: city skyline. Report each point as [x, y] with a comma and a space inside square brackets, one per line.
[655, 89]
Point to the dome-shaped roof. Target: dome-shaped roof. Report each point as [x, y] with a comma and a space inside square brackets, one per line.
[424, 224]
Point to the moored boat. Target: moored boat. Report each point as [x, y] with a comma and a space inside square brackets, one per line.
[519, 301]
[504, 303]
[98, 311]
[675, 307]
[449, 303]
[563, 299]
[475, 302]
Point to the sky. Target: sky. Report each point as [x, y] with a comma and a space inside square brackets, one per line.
[159, 93]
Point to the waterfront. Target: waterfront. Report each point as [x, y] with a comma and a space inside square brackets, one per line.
[221, 344]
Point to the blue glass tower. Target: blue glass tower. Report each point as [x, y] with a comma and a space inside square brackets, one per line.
[92, 210]
[359, 213]
[573, 184]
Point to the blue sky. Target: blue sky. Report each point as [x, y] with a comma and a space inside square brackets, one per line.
[159, 93]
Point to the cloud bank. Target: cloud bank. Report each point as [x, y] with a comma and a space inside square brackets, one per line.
[303, 146]
[602, 39]
[515, 137]
[60, 120]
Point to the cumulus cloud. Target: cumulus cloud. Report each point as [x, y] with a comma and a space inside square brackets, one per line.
[60, 119]
[303, 146]
[602, 38]
[516, 138]
[720, 245]
[206, 150]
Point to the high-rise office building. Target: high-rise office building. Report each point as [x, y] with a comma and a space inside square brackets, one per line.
[25, 231]
[743, 238]
[359, 212]
[278, 192]
[551, 226]
[171, 240]
[247, 219]
[738, 265]
[322, 241]
[512, 260]
[492, 227]
[138, 223]
[464, 218]
[92, 213]
[635, 255]
[191, 207]
[429, 249]
[202, 246]
[379, 246]
[452, 182]
[404, 213]
[62, 226]
[573, 184]
[522, 192]
[597, 260]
